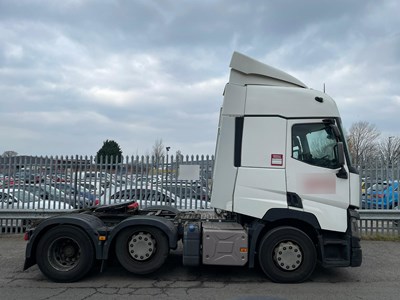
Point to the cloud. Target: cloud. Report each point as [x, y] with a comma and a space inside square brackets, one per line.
[75, 73]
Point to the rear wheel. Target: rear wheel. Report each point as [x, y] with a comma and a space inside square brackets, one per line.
[141, 249]
[287, 254]
[65, 254]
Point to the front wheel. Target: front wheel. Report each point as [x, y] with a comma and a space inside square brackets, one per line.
[287, 254]
[65, 254]
[141, 249]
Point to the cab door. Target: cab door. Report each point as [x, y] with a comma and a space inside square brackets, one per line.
[260, 182]
[315, 176]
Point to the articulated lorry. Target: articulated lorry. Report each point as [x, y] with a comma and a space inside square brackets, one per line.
[284, 195]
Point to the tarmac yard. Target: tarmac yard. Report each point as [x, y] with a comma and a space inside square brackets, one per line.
[377, 278]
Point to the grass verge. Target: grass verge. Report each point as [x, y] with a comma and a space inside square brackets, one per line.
[380, 237]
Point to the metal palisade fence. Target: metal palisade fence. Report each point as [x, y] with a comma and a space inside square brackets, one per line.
[37, 187]
[379, 202]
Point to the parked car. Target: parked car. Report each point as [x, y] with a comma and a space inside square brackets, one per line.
[94, 175]
[79, 191]
[102, 178]
[6, 181]
[150, 196]
[189, 191]
[23, 199]
[383, 195]
[58, 178]
[48, 192]
[92, 187]
[28, 177]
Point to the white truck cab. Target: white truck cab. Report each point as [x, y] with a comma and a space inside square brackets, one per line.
[282, 160]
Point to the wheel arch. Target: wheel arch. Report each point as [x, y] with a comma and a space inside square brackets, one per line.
[166, 226]
[89, 224]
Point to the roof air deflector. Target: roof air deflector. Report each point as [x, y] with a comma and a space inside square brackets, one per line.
[246, 70]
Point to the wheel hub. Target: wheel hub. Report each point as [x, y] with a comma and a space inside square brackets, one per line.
[288, 256]
[141, 246]
[69, 251]
[64, 254]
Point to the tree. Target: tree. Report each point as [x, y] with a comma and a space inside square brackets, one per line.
[362, 141]
[111, 150]
[389, 149]
[9, 153]
[158, 150]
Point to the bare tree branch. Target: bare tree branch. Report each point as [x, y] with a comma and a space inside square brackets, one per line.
[158, 149]
[9, 153]
[362, 140]
[389, 149]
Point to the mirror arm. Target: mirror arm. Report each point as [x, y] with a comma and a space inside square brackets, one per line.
[342, 173]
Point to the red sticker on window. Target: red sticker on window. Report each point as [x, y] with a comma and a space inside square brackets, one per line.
[276, 159]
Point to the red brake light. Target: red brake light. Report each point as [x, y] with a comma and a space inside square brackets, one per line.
[26, 236]
[96, 202]
[133, 205]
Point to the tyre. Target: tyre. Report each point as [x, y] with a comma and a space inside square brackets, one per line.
[287, 255]
[141, 249]
[65, 254]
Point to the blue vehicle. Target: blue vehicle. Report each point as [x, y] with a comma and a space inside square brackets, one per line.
[383, 195]
[68, 189]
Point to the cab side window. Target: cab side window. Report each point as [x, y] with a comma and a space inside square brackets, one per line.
[315, 144]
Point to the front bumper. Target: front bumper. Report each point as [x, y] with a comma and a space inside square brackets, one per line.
[355, 234]
[342, 249]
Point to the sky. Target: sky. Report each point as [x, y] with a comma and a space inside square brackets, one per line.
[75, 73]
